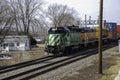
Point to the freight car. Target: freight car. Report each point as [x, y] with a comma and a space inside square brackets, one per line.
[112, 27]
[63, 39]
[118, 31]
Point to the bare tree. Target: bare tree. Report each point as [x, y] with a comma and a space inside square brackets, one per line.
[3, 15]
[61, 15]
[23, 16]
[6, 19]
[39, 28]
[25, 11]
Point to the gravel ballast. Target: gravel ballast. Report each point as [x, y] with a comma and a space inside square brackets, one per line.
[84, 69]
[73, 69]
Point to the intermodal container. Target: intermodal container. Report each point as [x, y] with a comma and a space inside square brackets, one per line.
[111, 26]
[118, 28]
[113, 35]
[118, 31]
[118, 35]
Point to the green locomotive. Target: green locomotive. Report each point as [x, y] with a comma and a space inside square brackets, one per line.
[62, 39]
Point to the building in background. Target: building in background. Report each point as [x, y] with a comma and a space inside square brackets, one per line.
[16, 42]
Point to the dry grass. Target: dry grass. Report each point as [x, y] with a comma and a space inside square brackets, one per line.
[111, 72]
[22, 56]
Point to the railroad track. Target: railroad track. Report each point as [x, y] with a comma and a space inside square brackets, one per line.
[37, 67]
[24, 64]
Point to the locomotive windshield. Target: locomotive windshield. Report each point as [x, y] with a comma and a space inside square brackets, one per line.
[58, 30]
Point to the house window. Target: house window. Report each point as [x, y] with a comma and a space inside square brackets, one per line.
[25, 43]
[11, 44]
[18, 44]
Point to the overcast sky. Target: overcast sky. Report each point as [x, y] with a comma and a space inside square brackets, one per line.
[91, 8]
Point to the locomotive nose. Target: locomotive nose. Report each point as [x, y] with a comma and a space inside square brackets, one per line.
[54, 39]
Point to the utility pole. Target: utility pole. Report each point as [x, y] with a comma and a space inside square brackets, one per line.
[100, 36]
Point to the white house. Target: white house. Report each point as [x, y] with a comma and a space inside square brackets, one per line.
[15, 43]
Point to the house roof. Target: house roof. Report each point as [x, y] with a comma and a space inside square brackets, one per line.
[9, 39]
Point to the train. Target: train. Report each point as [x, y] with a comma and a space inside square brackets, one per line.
[64, 39]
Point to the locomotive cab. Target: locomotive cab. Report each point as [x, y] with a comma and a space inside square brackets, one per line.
[57, 38]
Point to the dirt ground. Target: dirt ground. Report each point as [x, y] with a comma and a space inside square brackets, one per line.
[91, 72]
[88, 73]
[22, 56]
